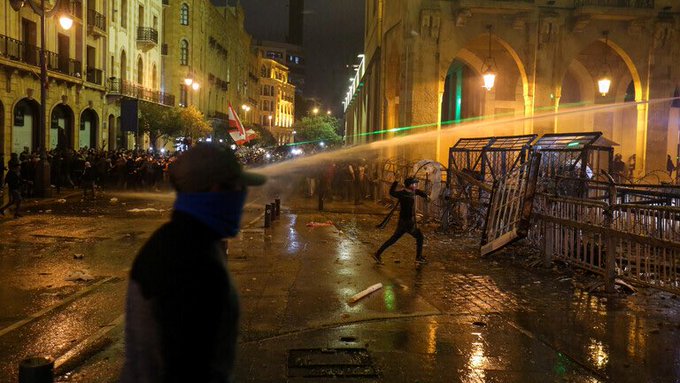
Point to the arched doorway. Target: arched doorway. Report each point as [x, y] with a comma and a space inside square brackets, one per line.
[579, 89]
[112, 133]
[463, 97]
[121, 137]
[89, 124]
[61, 127]
[26, 125]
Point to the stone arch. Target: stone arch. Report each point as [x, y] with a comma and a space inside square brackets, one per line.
[61, 127]
[577, 92]
[634, 73]
[89, 129]
[26, 125]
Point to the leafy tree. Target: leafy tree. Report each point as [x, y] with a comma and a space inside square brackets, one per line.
[317, 129]
[193, 123]
[264, 136]
[158, 121]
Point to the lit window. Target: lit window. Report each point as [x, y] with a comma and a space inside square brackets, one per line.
[184, 52]
[184, 15]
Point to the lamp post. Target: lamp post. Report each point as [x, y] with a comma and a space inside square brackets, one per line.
[45, 9]
[315, 111]
[246, 109]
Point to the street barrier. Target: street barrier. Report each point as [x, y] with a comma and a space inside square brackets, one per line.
[267, 215]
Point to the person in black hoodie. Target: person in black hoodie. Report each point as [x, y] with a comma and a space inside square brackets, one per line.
[407, 218]
[14, 181]
[182, 308]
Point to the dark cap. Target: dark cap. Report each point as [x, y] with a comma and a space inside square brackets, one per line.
[205, 165]
[410, 181]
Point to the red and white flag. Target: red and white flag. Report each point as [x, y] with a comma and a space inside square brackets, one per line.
[236, 130]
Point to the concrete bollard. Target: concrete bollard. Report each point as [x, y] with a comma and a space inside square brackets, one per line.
[273, 211]
[267, 215]
[37, 369]
[278, 207]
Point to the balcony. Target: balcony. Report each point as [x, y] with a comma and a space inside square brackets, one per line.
[93, 75]
[19, 51]
[96, 23]
[147, 38]
[634, 4]
[128, 89]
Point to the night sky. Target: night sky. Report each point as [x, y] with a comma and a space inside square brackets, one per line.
[333, 37]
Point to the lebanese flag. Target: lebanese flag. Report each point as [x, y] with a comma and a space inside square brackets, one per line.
[236, 130]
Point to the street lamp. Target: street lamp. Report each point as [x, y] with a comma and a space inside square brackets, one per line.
[246, 109]
[270, 122]
[605, 81]
[44, 9]
[315, 111]
[488, 72]
[328, 112]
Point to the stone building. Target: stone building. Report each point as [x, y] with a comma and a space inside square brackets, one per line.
[276, 104]
[424, 61]
[76, 60]
[135, 69]
[208, 45]
[293, 57]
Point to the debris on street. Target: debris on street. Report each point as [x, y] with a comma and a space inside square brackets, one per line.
[356, 297]
[319, 224]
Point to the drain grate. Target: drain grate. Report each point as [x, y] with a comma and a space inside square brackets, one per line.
[331, 363]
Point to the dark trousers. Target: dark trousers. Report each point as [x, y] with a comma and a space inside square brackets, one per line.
[404, 227]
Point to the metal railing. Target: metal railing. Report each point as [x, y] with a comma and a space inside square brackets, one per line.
[147, 34]
[96, 19]
[637, 4]
[30, 54]
[127, 88]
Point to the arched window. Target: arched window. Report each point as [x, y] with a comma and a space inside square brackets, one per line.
[184, 52]
[140, 71]
[184, 15]
[123, 66]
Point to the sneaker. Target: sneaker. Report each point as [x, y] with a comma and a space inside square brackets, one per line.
[377, 259]
[421, 260]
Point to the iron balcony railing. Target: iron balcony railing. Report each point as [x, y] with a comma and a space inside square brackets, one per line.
[166, 2]
[96, 19]
[76, 8]
[30, 54]
[93, 75]
[129, 89]
[637, 4]
[146, 34]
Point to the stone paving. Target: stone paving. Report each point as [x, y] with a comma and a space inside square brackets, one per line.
[459, 318]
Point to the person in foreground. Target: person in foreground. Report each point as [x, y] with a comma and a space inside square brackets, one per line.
[407, 218]
[182, 309]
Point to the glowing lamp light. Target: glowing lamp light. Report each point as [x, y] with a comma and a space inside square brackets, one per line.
[195, 86]
[315, 110]
[233, 147]
[65, 22]
[603, 85]
[489, 79]
[188, 81]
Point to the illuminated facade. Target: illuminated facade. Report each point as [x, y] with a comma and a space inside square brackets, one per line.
[76, 62]
[209, 45]
[424, 62]
[135, 67]
[276, 104]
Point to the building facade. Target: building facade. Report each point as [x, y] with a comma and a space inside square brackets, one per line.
[424, 61]
[208, 45]
[135, 68]
[76, 60]
[276, 99]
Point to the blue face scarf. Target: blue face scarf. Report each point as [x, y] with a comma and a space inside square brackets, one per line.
[221, 211]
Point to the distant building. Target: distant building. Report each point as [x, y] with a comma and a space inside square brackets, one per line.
[276, 98]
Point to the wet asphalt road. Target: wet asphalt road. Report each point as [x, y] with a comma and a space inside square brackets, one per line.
[457, 319]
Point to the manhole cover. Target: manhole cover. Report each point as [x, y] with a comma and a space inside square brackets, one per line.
[330, 362]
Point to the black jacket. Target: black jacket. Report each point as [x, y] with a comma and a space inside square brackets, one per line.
[407, 200]
[182, 309]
